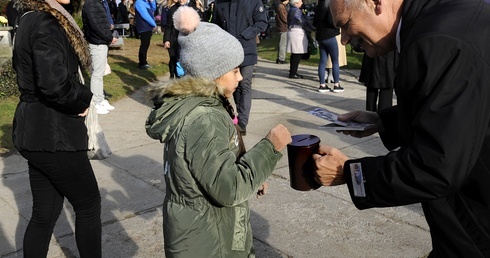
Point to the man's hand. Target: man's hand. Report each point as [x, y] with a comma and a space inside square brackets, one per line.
[114, 40]
[279, 136]
[358, 116]
[329, 163]
[166, 44]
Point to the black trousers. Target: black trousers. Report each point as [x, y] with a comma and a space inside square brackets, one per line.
[174, 55]
[294, 63]
[54, 176]
[243, 95]
[383, 97]
[145, 38]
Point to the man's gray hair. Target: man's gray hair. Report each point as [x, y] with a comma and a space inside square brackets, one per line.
[351, 4]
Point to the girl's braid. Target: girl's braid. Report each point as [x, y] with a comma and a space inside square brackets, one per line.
[229, 108]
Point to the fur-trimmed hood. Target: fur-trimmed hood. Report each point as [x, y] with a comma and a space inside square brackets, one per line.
[187, 86]
[73, 32]
[175, 100]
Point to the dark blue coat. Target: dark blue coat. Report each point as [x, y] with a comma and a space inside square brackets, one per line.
[244, 20]
[144, 18]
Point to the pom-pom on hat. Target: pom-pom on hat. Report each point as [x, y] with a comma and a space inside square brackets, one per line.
[207, 51]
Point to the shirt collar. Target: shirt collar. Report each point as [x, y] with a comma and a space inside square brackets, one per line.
[398, 44]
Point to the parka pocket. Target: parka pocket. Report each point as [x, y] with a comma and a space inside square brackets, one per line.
[240, 229]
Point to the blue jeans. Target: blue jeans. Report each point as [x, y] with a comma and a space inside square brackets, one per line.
[329, 47]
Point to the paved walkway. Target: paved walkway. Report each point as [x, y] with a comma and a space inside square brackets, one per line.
[286, 223]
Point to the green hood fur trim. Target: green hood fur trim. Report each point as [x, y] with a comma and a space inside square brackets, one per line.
[175, 100]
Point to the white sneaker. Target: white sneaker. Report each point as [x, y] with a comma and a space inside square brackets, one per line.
[101, 110]
[106, 105]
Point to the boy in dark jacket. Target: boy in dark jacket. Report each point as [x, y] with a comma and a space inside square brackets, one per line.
[97, 28]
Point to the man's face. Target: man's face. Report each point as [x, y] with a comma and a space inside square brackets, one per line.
[366, 24]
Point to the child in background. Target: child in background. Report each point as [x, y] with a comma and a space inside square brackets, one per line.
[209, 176]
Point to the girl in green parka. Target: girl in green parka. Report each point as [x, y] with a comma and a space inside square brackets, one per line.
[209, 177]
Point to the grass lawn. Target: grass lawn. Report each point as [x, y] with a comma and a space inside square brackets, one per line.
[126, 78]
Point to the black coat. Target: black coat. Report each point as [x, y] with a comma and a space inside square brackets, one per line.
[323, 23]
[12, 13]
[96, 25]
[441, 126]
[244, 19]
[379, 72]
[122, 13]
[46, 118]
[171, 34]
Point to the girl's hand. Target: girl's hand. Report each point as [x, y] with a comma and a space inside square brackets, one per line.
[263, 189]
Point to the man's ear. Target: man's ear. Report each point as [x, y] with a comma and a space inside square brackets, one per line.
[377, 6]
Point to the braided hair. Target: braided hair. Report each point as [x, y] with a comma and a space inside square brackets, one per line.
[229, 108]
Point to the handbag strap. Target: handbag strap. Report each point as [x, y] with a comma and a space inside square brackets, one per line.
[82, 80]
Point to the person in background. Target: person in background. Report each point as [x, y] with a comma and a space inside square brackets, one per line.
[131, 15]
[244, 19]
[12, 15]
[97, 31]
[208, 14]
[438, 134]
[113, 9]
[378, 75]
[282, 28]
[170, 38]
[342, 61]
[199, 7]
[326, 33]
[209, 176]
[145, 25]
[170, 35]
[122, 12]
[49, 125]
[297, 43]
[164, 7]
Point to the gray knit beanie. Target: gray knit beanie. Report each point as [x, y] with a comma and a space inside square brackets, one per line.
[207, 51]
